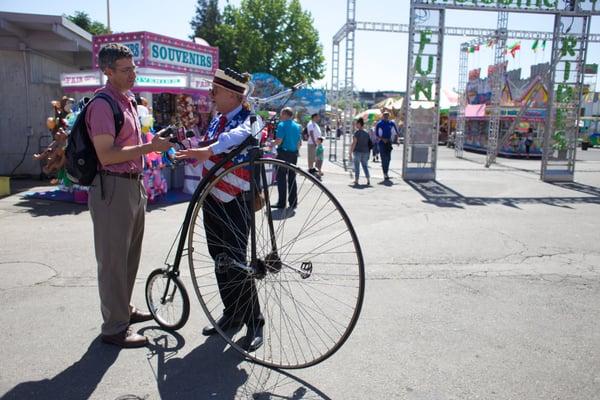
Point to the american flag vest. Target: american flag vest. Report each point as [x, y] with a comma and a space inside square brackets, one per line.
[237, 181]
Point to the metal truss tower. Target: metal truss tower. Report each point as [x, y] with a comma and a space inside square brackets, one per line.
[343, 95]
[463, 71]
[334, 98]
[569, 51]
[348, 90]
[496, 80]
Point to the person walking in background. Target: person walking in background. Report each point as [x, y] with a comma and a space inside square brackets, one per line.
[359, 151]
[528, 141]
[314, 132]
[319, 156]
[288, 139]
[374, 141]
[386, 132]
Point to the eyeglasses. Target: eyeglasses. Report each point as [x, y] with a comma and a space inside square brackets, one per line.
[126, 70]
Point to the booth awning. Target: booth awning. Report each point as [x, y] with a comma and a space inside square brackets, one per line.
[147, 80]
[475, 111]
[165, 65]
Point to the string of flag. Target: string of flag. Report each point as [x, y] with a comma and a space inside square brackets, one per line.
[512, 49]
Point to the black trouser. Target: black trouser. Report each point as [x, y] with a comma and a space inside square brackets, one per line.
[385, 151]
[227, 227]
[286, 179]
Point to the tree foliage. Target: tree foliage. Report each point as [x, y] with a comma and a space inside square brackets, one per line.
[205, 22]
[274, 36]
[83, 20]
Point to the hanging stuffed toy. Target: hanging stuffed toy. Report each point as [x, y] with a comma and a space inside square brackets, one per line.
[154, 182]
[54, 154]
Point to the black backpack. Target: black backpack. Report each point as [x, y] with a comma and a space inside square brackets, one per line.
[81, 159]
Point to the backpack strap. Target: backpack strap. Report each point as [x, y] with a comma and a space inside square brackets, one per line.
[117, 113]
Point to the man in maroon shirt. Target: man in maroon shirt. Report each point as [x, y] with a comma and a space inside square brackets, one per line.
[117, 198]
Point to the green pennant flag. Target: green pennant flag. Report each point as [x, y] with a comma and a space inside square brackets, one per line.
[544, 45]
[471, 49]
[535, 45]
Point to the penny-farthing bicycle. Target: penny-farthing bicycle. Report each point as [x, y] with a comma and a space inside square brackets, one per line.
[305, 262]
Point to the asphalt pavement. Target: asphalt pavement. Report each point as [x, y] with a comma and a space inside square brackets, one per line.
[482, 284]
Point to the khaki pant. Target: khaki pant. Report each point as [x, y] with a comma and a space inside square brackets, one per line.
[118, 232]
[312, 153]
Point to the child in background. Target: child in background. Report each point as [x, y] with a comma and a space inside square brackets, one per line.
[319, 156]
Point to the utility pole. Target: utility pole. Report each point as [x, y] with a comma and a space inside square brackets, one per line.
[108, 15]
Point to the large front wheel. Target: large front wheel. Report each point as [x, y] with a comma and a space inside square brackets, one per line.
[307, 281]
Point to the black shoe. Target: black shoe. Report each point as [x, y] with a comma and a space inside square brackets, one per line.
[254, 338]
[224, 322]
[277, 206]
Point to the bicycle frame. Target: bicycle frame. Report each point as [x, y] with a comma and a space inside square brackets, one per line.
[250, 144]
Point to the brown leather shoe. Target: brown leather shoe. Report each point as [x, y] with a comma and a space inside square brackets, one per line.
[139, 316]
[126, 339]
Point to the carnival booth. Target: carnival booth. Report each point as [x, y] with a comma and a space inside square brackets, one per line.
[173, 82]
[526, 134]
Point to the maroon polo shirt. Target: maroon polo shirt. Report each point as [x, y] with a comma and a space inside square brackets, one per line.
[100, 120]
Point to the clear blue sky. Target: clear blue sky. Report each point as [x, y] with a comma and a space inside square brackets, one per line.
[380, 57]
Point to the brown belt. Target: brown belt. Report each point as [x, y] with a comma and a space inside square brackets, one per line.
[127, 175]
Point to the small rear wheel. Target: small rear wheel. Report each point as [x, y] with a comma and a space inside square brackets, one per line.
[167, 299]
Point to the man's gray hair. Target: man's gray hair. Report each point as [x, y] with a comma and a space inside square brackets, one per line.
[112, 52]
[288, 111]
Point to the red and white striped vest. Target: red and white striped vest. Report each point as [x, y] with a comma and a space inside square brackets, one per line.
[237, 181]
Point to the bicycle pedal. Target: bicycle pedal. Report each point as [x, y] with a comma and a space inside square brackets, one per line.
[307, 267]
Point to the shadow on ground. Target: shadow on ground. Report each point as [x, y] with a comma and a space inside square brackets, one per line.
[76, 382]
[214, 370]
[441, 195]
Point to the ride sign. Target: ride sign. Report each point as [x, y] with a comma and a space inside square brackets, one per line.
[538, 6]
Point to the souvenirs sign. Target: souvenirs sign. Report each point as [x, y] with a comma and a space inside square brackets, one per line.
[162, 52]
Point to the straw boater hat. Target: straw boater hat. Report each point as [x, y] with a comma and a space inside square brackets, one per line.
[231, 80]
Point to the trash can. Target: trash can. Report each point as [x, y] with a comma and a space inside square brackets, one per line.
[4, 185]
[585, 145]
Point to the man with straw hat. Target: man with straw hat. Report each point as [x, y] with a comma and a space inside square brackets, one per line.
[230, 202]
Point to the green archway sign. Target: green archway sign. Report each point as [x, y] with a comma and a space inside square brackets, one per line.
[425, 51]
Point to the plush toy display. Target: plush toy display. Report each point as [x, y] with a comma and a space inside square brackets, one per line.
[53, 156]
[187, 111]
[154, 182]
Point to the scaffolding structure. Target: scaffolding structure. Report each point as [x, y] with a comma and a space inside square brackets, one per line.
[496, 80]
[463, 70]
[428, 21]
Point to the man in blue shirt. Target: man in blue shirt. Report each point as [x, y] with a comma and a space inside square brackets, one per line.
[288, 139]
[386, 132]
